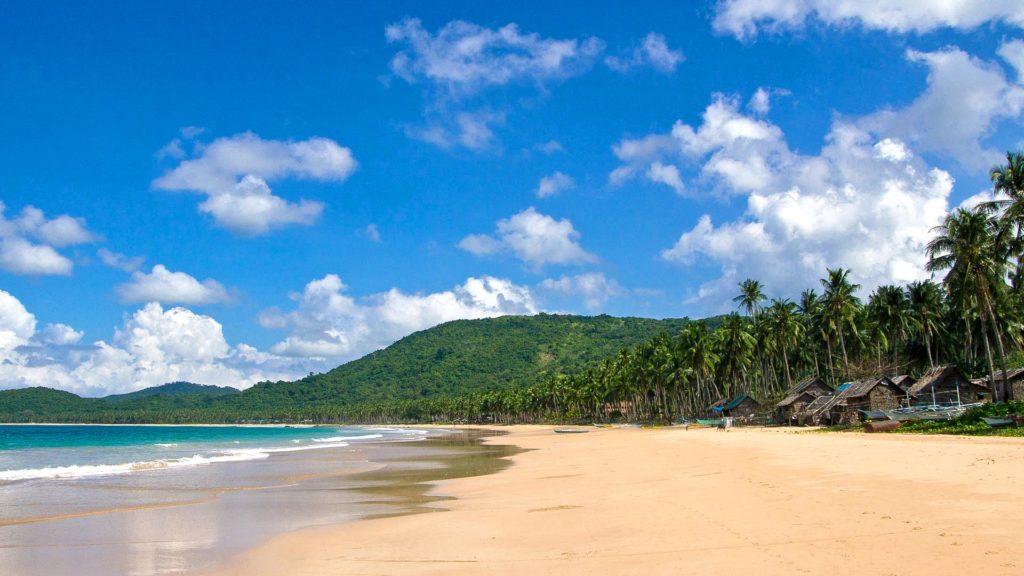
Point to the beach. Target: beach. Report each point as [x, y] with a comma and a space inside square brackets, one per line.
[675, 501]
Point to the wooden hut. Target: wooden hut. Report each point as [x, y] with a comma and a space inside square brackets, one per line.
[741, 406]
[790, 408]
[870, 395]
[845, 406]
[948, 385]
[904, 381]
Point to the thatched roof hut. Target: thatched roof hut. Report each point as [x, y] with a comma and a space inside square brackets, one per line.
[845, 406]
[740, 406]
[948, 385]
[801, 394]
[904, 381]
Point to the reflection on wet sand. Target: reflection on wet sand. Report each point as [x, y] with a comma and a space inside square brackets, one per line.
[189, 519]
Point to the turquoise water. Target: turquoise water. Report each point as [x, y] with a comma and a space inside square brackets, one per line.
[64, 452]
[152, 500]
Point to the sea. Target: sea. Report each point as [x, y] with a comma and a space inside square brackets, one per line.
[94, 499]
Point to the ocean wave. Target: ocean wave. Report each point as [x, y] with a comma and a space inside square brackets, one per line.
[344, 438]
[163, 445]
[87, 470]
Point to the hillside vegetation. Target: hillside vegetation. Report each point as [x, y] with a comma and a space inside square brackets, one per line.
[455, 359]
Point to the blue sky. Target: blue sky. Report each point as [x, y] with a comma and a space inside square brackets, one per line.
[225, 195]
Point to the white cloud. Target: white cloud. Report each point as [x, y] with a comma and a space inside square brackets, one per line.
[463, 61]
[60, 335]
[29, 243]
[371, 233]
[233, 172]
[463, 58]
[593, 287]
[865, 203]
[162, 285]
[666, 174]
[17, 325]
[745, 18]
[154, 346]
[760, 102]
[330, 324]
[969, 95]
[652, 51]
[534, 238]
[553, 184]
[550, 147]
[742, 151]
[120, 261]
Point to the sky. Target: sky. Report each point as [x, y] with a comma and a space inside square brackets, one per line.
[227, 194]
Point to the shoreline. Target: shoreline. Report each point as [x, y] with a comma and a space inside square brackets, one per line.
[670, 501]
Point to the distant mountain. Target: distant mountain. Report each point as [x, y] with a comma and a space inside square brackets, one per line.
[174, 389]
[452, 359]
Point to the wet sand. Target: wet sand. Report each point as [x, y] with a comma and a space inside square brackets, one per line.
[191, 518]
[669, 501]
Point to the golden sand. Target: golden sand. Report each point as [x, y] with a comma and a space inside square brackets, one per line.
[670, 501]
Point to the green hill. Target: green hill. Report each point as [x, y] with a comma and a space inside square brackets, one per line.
[451, 359]
[466, 356]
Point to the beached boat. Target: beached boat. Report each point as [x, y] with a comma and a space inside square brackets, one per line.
[571, 431]
[998, 422]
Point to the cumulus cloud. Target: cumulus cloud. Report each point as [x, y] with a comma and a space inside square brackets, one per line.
[29, 242]
[461, 62]
[234, 172]
[970, 96]
[371, 233]
[553, 184]
[593, 287]
[652, 51]
[739, 150]
[745, 18]
[534, 238]
[865, 202]
[328, 323]
[162, 285]
[154, 346]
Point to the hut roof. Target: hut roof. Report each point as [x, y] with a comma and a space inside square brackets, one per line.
[793, 398]
[822, 403]
[934, 376]
[804, 385]
[737, 401]
[1011, 374]
[903, 380]
[862, 387]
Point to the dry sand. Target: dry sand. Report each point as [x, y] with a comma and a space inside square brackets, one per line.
[670, 501]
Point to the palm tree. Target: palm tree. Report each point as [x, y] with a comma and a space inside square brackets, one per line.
[967, 245]
[750, 297]
[889, 308]
[735, 347]
[1008, 179]
[840, 307]
[785, 326]
[926, 305]
[811, 309]
[696, 348]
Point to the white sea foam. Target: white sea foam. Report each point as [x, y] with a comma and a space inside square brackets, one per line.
[171, 445]
[84, 471]
[344, 438]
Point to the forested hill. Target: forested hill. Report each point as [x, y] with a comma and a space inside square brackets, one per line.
[452, 359]
[467, 356]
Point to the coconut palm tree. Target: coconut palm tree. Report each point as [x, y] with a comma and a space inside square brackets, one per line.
[750, 297]
[967, 245]
[1008, 179]
[784, 324]
[926, 306]
[889, 308]
[735, 348]
[840, 305]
